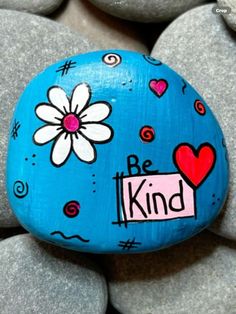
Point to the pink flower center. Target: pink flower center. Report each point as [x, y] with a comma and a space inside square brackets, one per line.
[71, 123]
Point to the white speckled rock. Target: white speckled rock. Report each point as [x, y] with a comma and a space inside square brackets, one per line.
[106, 31]
[200, 46]
[35, 6]
[146, 11]
[229, 18]
[40, 278]
[29, 43]
[195, 277]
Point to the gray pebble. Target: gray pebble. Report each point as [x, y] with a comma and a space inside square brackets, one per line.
[29, 43]
[197, 277]
[35, 6]
[201, 48]
[106, 31]
[146, 11]
[39, 278]
[229, 18]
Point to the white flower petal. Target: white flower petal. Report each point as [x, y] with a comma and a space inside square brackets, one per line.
[46, 133]
[80, 97]
[96, 112]
[61, 149]
[96, 132]
[48, 113]
[83, 148]
[58, 98]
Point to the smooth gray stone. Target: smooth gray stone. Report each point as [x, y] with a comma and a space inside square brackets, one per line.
[147, 11]
[29, 43]
[201, 47]
[229, 18]
[197, 277]
[106, 31]
[40, 278]
[35, 6]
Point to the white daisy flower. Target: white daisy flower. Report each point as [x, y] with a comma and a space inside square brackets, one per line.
[73, 124]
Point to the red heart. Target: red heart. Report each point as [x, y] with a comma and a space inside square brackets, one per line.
[158, 87]
[195, 165]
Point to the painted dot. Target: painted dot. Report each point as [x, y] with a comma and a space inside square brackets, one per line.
[33, 164]
[26, 159]
[71, 209]
[199, 107]
[71, 123]
[147, 134]
[150, 184]
[94, 182]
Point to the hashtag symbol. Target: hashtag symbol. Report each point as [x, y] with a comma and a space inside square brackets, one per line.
[66, 67]
[128, 245]
[14, 132]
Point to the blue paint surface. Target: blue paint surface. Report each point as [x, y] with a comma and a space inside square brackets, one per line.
[38, 190]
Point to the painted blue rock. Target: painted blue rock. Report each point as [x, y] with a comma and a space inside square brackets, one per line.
[114, 152]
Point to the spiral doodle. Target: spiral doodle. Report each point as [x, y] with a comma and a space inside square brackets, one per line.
[71, 209]
[199, 107]
[20, 189]
[112, 59]
[147, 134]
[152, 61]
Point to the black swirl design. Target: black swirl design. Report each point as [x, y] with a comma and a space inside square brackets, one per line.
[112, 59]
[20, 189]
[76, 236]
[152, 60]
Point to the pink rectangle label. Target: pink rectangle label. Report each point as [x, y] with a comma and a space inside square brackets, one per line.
[156, 197]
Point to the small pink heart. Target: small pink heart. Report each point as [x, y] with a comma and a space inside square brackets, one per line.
[158, 87]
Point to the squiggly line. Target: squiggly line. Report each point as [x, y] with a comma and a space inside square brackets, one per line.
[184, 86]
[70, 237]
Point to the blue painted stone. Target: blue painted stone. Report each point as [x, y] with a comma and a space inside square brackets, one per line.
[112, 151]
